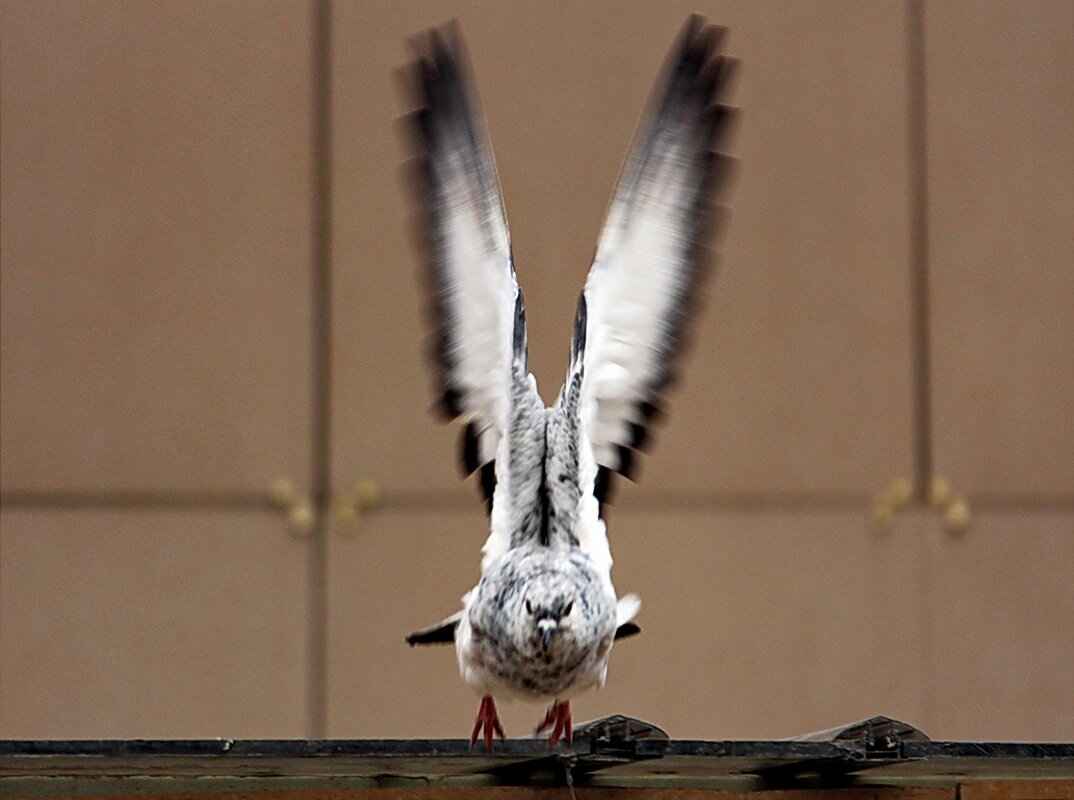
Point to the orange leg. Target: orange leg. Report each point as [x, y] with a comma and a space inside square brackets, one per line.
[558, 719]
[487, 721]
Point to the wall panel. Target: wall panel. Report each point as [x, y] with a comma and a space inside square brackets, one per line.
[156, 245]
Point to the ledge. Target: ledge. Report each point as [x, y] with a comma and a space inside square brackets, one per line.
[613, 752]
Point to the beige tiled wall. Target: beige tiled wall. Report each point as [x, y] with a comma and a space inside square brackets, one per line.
[156, 245]
[150, 624]
[1001, 133]
[1000, 627]
[159, 313]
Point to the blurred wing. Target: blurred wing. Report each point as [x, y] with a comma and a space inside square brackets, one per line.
[652, 248]
[440, 633]
[474, 291]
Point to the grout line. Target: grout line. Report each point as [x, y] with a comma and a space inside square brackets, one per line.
[917, 161]
[747, 501]
[917, 158]
[658, 501]
[995, 501]
[137, 500]
[722, 501]
[927, 612]
[123, 499]
[321, 322]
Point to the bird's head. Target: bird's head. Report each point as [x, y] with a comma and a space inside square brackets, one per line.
[549, 618]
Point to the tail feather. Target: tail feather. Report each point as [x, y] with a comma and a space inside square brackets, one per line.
[627, 608]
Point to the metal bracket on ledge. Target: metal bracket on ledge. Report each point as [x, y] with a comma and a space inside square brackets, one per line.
[618, 734]
[876, 737]
[864, 744]
[611, 741]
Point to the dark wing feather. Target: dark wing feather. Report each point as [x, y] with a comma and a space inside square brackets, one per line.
[440, 633]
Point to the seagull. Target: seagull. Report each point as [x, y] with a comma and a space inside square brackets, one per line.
[541, 621]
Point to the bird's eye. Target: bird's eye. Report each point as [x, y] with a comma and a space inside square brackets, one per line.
[567, 610]
[529, 608]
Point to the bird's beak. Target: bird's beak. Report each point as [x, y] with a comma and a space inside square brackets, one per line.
[547, 629]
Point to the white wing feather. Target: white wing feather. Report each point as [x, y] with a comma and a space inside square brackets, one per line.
[481, 316]
[468, 244]
[651, 250]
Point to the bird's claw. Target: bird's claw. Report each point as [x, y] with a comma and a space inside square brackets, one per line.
[488, 722]
[558, 719]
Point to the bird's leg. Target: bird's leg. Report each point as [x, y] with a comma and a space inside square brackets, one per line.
[558, 719]
[548, 721]
[564, 723]
[487, 721]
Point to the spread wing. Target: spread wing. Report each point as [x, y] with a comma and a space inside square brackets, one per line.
[652, 249]
[464, 231]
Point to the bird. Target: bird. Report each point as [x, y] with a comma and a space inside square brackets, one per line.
[540, 623]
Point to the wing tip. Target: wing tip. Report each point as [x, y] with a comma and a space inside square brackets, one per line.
[441, 633]
[438, 76]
